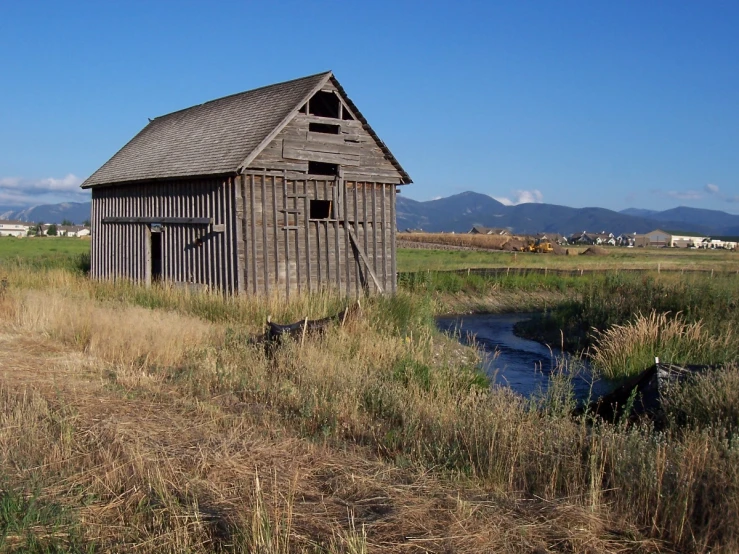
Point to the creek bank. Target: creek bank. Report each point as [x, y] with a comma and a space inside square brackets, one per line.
[575, 339]
[525, 366]
[500, 301]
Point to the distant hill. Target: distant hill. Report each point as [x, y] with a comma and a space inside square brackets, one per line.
[638, 212]
[460, 212]
[76, 212]
[697, 216]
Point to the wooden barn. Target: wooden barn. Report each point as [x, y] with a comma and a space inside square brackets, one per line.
[281, 189]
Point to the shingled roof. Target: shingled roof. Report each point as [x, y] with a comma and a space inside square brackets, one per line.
[218, 137]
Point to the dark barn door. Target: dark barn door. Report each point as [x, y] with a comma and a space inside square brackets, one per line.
[156, 255]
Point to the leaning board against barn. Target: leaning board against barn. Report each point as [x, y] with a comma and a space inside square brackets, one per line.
[281, 189]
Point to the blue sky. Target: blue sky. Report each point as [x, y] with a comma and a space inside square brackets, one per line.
[581, 103]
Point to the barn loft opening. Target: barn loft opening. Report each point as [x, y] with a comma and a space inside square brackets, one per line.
[324, 104]
[323, 168]
[346, 116]
[320, 209]
[324, 128]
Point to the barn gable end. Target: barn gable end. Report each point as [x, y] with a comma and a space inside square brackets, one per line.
[338, 138]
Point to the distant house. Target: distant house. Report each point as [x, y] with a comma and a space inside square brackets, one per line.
[625, 239]
[604, 238]
[14, 228]
[660, 238]
[72, 231]
[552, 237]
[480, 230]
[582, 238]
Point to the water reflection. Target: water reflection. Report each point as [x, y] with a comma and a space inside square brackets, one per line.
[523, 365]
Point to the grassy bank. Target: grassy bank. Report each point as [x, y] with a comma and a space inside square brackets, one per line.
[626, 320]
[151, 407]
[616, 258]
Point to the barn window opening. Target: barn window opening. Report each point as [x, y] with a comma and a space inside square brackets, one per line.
[323, 168]
[320, 209]
[303, 108]
[326, 128]
[324, 104]
[346, 115]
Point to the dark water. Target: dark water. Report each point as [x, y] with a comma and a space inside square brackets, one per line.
[523, 365]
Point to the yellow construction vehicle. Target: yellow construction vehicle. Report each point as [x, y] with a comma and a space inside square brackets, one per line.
[544, 247]
[539, 246]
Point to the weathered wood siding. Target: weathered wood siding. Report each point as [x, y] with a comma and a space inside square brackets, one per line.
[353, 148]
[282, 250]
[203, 254]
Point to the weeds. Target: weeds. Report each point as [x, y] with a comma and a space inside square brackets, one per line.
[397, 439]
[626, 350]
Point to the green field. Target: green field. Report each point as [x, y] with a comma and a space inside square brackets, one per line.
[41, 247]
[412, 259]
[45, 253]
[60, 251]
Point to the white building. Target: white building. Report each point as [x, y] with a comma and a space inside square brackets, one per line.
[11, 228]
[658, 237]
[72, 231]
[728, 243]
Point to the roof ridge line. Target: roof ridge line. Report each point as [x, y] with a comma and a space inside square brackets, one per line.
[240, 93]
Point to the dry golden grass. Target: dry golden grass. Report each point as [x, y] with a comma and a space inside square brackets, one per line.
[122, 335]
[625, 350]
[161, 431]
[492, 242]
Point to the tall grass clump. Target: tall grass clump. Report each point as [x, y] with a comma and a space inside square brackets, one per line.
[707, 401]
[617, 298]
[626, 350]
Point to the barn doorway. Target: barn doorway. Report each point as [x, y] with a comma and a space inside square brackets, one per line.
[155, 247]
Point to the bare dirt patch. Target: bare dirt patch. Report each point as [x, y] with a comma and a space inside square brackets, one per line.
[594, 251]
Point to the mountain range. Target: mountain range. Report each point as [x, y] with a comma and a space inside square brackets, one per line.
[76, 212]
[460, 212]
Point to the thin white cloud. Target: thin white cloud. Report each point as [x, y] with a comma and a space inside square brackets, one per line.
[23, 192]
[521, 197]
[685, 194]
[711, 188]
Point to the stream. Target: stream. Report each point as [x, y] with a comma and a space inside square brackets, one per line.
[521, 364]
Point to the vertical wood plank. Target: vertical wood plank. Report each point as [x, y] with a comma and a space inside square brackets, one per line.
[374, 229]
[384, 239]
[275, 235]
[393, 229]
[308, 231]
[287, 237]
[254, 260]
[265, 253]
